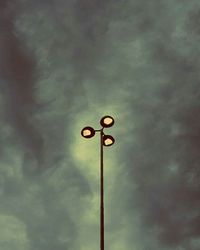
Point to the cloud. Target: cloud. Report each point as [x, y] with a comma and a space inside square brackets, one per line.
[65, 64]
[18, 74]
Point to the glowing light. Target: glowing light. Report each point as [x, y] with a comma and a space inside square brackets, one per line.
[88, 132]
[108, 140]
[107, 121]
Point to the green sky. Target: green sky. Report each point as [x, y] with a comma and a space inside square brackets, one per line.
[63, 65]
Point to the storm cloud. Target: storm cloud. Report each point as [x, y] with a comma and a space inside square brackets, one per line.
[65, 64]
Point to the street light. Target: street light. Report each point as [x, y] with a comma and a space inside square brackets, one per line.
[105, 140]
[88, 132]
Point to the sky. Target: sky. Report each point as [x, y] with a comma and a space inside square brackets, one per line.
[63, 65]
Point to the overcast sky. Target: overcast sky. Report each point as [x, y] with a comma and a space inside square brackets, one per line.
[63, 65]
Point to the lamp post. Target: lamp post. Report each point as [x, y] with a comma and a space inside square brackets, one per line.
[105, 140]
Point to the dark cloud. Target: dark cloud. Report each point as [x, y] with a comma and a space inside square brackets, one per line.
[18, 73]
[165, 159]
[139, 59]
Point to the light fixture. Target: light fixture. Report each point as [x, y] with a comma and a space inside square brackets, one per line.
[105, 140]
[107, 121]
[108, 140]
[88, 132]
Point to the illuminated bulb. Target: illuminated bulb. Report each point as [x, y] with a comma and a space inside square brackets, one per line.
[108, 140]
[88, 132]
[107, 121]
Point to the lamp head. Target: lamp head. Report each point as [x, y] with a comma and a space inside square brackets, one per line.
[108, 140]
[88, 132]
[107, 121]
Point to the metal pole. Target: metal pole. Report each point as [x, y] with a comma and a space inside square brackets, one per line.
[101, 193]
